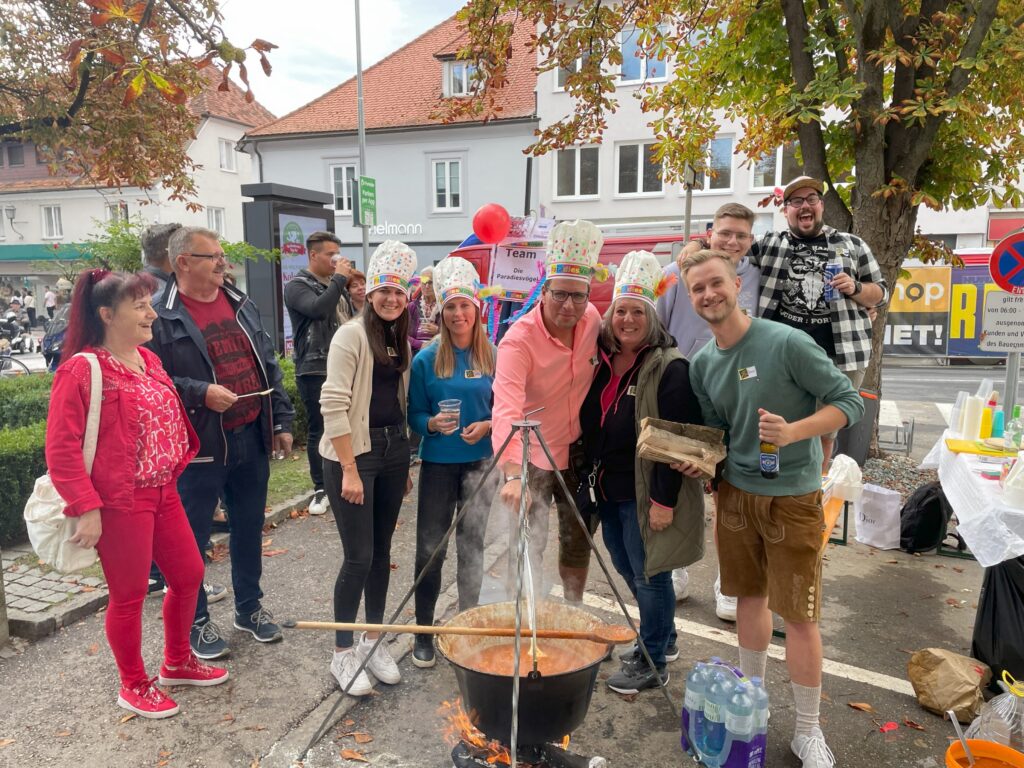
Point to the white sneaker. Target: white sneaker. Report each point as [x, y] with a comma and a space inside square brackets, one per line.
[813, 751]
[725, 606]
[380, 664]
[681, 584]
[319, 504]
[344, 666]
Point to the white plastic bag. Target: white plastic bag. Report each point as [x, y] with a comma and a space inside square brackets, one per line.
[49, 530]
[877, 514]
[847, 482]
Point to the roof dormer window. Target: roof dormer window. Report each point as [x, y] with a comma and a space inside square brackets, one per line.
[459, 78]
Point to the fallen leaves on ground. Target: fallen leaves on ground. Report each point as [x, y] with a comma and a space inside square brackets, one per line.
[220, 552]
[93, 649]
[123, 736]
[863, 707]
[62, 734]
[228, 717]
[394, 566]
[348, 721]
[359, 736]
[165, 753]
[351, 754]
[87, 588]
[952, 602]
[911, 724]
[129, 716]
[274, 552]
[6, 743]
[255, 728]
[267, 543]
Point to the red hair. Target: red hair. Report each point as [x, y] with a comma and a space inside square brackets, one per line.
[97, 288]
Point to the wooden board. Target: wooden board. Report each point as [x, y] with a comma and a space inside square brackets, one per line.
[669, 442]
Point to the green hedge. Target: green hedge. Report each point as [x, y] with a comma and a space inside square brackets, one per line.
[300, 428]
[24, 400]
[22, 460]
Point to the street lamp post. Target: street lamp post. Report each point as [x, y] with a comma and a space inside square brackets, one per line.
[361, 131]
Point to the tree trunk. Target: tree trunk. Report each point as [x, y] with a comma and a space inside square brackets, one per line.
[887, 226]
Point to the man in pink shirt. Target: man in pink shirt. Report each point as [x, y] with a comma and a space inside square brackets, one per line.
[547, 360]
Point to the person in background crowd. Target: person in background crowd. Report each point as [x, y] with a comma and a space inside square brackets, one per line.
[760, 382]
[366, 457]
[317, 305]
[156, 262]
[458, 365]
[30, 308]
[49, 302]
[424, 312]
[652, 520]
[547, 360]
[357, 291]
[211, 341]
[731, 233]
[128, 507]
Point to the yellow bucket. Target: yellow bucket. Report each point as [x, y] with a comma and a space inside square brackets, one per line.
[987, 754]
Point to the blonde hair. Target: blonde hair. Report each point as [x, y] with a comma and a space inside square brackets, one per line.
[702, 257]
[481, 352]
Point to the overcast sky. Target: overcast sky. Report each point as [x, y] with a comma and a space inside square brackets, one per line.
[317, 40]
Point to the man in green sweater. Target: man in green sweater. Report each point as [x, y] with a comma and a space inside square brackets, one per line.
[760, 382]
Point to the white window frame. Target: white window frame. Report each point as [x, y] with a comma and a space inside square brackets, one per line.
[703, 190]
[448, 207]
[215, 216]
[53, 224]
[644, 78]
[778, 171]
[116, 210]
[641, 157]
[576, 185]
[3, 216]
[349, 194]
[468, 82]
[577, 65]
[227, 156]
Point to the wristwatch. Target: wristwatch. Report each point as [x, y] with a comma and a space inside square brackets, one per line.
[510, 478]
[857, 287]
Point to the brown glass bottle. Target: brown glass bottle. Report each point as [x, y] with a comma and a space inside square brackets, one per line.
[769, 460]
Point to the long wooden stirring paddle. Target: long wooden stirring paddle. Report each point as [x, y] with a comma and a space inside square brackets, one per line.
[609, 634]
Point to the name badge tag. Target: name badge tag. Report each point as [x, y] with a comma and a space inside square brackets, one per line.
[748, 373]
[392, 352]
[631, 390]
[471, 374]
[594, 360]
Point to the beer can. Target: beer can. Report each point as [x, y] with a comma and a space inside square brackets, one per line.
[832, 269]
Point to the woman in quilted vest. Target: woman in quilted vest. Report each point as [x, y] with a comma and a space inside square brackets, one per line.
[128, 506]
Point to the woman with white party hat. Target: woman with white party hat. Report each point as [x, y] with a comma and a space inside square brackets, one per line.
[450, 406]
[652, 517]
[365, 448]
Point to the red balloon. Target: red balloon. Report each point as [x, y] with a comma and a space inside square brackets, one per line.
[491, 223]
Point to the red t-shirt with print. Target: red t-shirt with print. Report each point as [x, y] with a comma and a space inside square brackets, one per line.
[233, 362]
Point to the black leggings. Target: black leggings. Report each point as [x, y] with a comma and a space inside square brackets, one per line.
[366, 529]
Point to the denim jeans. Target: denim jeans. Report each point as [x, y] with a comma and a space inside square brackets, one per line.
[366, 529]
[309, 390]
[443, 488]
[655, 597]
[242, 483]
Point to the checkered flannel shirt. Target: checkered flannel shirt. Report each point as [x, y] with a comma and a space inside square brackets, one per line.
[851, 327]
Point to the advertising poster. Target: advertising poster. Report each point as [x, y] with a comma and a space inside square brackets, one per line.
[294, 231]
[970, 286]
[918, 321]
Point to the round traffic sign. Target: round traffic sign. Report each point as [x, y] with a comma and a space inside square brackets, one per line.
[1007, 263]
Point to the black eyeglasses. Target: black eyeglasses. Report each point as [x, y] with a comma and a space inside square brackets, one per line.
[578, 297]
[215, 256]
[811, 199]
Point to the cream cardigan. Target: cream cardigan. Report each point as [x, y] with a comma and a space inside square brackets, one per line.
[345, 396]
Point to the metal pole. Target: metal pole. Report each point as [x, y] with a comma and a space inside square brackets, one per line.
[1010, 392]
[529, 184]
[688, 185]
[362, 132]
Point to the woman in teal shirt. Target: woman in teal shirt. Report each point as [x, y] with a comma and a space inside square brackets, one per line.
[457, 365]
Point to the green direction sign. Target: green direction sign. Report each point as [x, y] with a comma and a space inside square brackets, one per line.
[366, 211]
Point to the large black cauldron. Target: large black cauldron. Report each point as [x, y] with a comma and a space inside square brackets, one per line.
[550, 706]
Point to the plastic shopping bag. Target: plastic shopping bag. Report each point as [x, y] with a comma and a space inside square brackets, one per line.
[877, 514]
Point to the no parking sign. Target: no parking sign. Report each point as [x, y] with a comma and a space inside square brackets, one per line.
[1007, 263]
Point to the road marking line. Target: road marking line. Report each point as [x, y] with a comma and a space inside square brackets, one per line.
[714, 634]
[946, 409]
[889, 414]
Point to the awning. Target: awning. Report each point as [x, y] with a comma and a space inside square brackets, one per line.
[1000, 228]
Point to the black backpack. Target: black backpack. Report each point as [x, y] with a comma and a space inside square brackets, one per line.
[924, 520]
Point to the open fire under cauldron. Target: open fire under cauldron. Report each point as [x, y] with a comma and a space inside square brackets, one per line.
[553, 701]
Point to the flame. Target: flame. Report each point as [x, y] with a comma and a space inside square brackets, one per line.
[460, 728]
[565, 742]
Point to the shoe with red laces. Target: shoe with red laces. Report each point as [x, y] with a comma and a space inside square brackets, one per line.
[192, 672]
[146, 700]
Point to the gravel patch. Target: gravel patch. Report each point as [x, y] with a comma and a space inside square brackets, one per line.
[897, 473]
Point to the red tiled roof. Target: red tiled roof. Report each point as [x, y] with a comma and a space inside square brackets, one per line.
[404, 89]
[49, 183]
[230, 104]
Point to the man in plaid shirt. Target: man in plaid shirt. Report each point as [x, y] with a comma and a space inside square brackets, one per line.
[794, 281]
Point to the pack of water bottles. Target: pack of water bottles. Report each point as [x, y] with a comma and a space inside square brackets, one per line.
[725, 716]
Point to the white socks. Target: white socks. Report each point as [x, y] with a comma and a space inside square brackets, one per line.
[753, 662]
[808, 703]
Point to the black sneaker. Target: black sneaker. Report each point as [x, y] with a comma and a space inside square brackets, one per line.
[207, 642]
[633, 678]
[260, 625]
[423, 652]
[156, 587]
[633, 655]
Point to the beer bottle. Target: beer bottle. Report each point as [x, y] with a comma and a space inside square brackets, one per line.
[769, 460]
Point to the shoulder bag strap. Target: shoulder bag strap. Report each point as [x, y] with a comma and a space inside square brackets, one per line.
[92, 422]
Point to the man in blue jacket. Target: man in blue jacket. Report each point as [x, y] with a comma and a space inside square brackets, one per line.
[211, 342]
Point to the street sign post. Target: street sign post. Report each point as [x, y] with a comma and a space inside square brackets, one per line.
[1007, 269]
[367, 201]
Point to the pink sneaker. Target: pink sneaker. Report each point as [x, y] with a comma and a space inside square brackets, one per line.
[146, 700]
[192, 672]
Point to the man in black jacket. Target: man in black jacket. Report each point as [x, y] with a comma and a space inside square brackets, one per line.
[211, 342]
[317, 304]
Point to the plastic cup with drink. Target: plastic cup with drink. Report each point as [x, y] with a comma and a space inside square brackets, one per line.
[449, 416]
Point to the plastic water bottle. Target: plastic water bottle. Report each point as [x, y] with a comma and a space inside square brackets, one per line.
[716, 700]
[759, 698]
[739, 718]
[693, 704]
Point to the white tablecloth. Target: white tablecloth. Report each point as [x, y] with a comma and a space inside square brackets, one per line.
[993, 531]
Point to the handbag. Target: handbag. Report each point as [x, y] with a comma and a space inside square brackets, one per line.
[49, 529]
